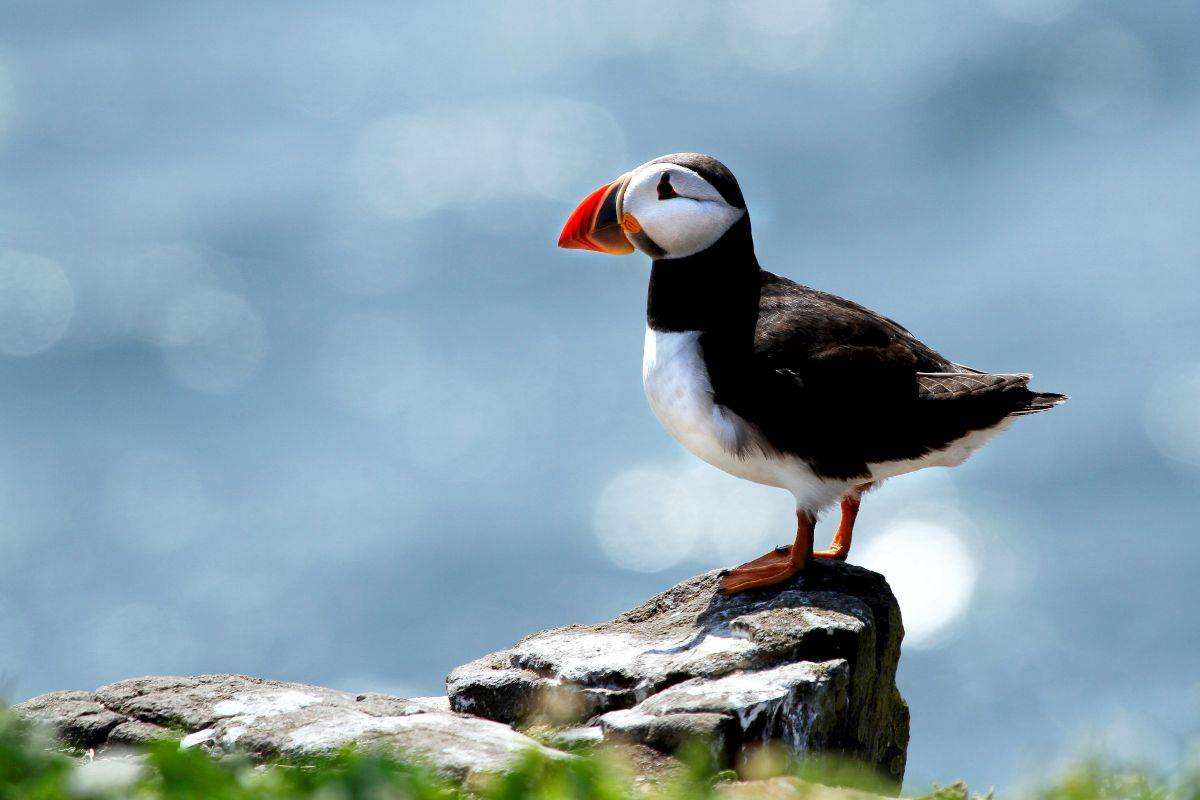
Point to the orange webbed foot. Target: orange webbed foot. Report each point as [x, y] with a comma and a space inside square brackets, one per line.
[773, 568]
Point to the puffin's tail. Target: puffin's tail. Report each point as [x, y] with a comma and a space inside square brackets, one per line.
[1006, 393]
[1040, 401]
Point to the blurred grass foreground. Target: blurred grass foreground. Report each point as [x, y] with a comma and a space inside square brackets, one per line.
[33, 766]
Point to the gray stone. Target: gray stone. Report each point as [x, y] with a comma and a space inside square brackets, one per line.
[798, 704]
[579, 735]
[439, 703]
[76, 717]
[811, 663]
[274, 719]
[669, 731]
[787, 788]
[134, 732]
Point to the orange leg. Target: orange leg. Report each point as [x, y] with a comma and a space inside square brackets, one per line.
[776, 566]
[840, 547]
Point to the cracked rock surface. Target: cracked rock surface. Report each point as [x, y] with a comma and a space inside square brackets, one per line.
[811, 664]
[225, 713]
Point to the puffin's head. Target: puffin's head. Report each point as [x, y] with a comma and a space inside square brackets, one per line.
[671, 207]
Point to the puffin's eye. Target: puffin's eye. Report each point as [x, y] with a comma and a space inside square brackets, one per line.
[665, 190]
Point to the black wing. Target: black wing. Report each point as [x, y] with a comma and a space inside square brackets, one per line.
[807, 328]
[841, 386]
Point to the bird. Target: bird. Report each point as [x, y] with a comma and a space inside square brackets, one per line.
[776, 382]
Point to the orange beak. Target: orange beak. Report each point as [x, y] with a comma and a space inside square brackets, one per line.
[596, 223]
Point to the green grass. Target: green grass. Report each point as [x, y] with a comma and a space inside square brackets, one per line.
[31, 768]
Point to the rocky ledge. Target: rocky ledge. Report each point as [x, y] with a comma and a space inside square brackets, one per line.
[273, 719]
[811, 665]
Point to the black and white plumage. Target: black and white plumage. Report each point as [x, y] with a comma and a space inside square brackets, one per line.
[772, 381]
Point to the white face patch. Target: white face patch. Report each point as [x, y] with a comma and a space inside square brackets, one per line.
[684, 224]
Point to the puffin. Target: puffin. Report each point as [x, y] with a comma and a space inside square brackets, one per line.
[775, 382]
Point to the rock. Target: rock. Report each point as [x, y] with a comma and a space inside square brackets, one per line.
[811, 664]
[785, 788]
[668, 732]
[135, 732]
[76, 717]
[274, 719]
[439, 703]
[581, 735]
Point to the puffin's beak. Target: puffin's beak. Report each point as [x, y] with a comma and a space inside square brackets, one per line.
[596, 223]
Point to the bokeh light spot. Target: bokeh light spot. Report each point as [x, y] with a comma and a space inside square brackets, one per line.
[36, 303]
[776, 36]
[130, 290]
[1172, 415]
[213, 341]
[899, 54]
[410, 165]
[735, 520]
[1103, 79]
[563, 142]
[931, 571]
[655, 516]
[636, 529]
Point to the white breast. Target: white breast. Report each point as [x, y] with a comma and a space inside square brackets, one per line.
[680, 394]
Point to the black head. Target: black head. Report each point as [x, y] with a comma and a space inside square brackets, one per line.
[713, 171]
[669, 208]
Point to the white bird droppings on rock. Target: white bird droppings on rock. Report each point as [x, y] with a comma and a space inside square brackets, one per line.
[193, 739]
